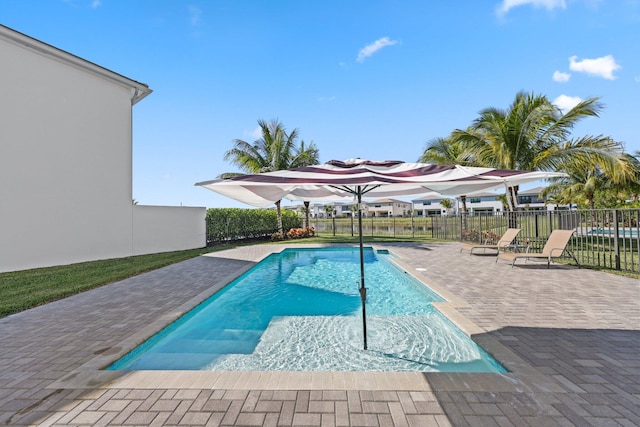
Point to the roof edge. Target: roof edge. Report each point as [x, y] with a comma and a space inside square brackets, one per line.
[139, 90]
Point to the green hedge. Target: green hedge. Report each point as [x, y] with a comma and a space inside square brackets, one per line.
[224, 224]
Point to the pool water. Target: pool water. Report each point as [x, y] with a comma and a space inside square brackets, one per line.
[611, 233]
[300, 310]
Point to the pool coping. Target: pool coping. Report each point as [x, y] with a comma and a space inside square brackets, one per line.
[521, 375]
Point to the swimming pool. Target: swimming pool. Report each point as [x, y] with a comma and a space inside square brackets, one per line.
[299, 310]
[600, 232]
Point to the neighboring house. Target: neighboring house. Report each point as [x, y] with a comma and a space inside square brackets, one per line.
[430, 206]
[483, 203]
[347, 210]
[478, 203]
[531, 200]
[389, 208]
[66, 164]
[320, 210]
[317, 210]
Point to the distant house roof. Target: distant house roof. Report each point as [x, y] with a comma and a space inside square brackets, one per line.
[531, 192]
[442, 197]
[483, 194]
[390, 201]
[430, 198]
[139, 90]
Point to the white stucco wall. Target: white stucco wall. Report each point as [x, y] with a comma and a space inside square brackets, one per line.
[66, 159]
[167, 228]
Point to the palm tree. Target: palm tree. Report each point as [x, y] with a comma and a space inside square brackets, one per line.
[533, 134]
[580, 184]
[447, 151]
[584, 180]
[634, 185]
[274, 150]
[446, 204]
[329, 210]
[306, 214]
[450, 151]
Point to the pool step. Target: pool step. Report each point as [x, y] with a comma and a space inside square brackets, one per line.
[224, 334]
[169, 361]
[214, 341]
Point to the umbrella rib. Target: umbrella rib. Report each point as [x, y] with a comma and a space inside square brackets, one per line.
[365, 189]
[368, 188]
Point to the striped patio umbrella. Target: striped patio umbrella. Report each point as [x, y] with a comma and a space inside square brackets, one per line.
[344, 180]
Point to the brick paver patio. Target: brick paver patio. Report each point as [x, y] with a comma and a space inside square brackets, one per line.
[569, 336]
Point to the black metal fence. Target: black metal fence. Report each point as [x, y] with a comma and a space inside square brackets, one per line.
[604, 238]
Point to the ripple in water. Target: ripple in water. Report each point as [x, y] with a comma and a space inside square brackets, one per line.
[396, 343]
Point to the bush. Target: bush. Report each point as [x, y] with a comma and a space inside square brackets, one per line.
[299, 233]
[225, 224]
[472, 235]
[490, 236]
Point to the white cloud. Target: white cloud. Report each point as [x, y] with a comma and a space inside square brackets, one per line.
[195, 15]
[255, 134]
[507, 5]
[566, 102]
[96, 3]
[372, 48]
[326, 98]
[600, 67]
[560, 77]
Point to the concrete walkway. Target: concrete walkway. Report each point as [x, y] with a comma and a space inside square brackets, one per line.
[570, 338]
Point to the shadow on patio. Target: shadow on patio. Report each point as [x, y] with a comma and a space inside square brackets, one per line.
[597, 372]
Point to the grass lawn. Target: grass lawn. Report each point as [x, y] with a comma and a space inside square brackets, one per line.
[21, 290]
[25, 289]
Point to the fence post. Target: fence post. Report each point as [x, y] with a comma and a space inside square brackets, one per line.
[616, 239]
[351, 224]
[333, 223]
[432, 227]
[412, 230]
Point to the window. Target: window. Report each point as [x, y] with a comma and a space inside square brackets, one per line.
[474, 200]
[524, 199]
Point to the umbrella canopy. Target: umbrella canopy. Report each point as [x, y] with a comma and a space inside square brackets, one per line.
[337, 180]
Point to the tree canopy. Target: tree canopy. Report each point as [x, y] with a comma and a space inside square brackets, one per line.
[276, 149]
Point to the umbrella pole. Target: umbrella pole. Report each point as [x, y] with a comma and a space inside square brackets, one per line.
[363, 290]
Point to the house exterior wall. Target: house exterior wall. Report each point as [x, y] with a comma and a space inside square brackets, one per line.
[390, 209]
[65, 160]
[168, 228]
[433, 208]
[317, 210]
[484, 205]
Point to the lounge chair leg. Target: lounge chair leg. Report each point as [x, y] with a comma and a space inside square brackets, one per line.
[574, 258]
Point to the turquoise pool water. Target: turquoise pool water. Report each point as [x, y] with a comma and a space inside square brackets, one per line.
[300, 310]
[611, 233]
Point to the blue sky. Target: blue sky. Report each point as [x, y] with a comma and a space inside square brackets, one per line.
[371, 79]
